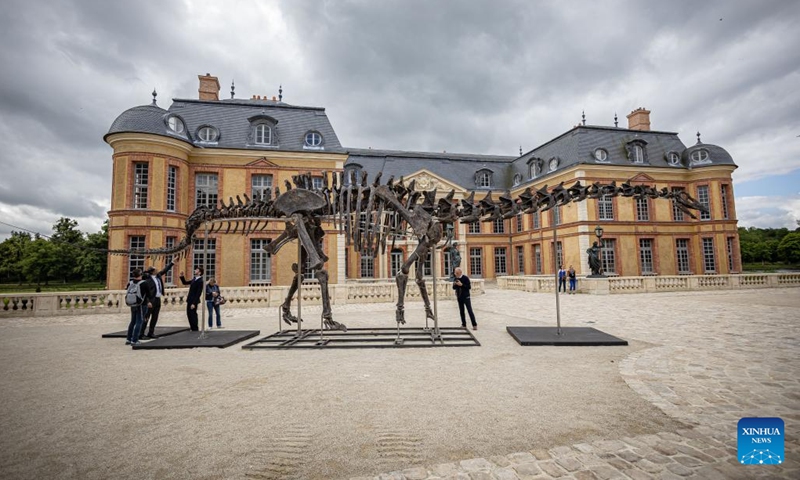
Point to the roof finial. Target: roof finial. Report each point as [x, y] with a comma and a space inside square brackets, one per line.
[698, 138]
[520, 150]
[155, 94]
[233, 87]
[615, 119]
[583, 116]
[280, 93]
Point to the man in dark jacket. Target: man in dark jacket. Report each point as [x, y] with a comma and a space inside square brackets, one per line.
[156, 283]
[193, 298]
[462, 287]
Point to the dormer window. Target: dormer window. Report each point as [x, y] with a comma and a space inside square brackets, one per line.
[700, 156]
[313, 140]
[262, 134]
[517, 179]
[553, 164]
[352, 174]
[483, 179]
[601, 155]
[535, 167]
[175, 124]
[637, 153]
[673, 159]
[207, 134]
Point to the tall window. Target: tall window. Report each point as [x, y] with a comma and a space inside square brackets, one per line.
[535, 216]
[702, 199]
[519, 222]
[605, 205]
[396, 262]
[500, 265]
[169, 277]
[638, 154]
[608, 259]
[210, 256]
[260, 184]
[559, 255]
[499, 226]
[646, 255]
[136, 261]
[475, 262]
[521, 260]
[263, 134]
[317, 183]
[537, 257]
[308, 271]
[677, 214]
[427, 265]
[140, 182]
[260, 262]
[682, 255]
[367, 266]
[723, 190]
[484, 179]
[557, 215]
[172, 183]
[709, 259]
[474, 227]
[446, 265]
[729, 244]
[206, 189]
[642, 210]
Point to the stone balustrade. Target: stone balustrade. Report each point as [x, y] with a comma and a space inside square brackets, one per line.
[653, 283]
[113, 301]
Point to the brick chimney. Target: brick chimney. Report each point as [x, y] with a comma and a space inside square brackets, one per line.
[639, 119]
[209, 87]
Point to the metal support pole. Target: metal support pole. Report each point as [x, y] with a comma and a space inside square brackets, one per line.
[203, 277]
[436, 333]
[299, 287]
[555, 263]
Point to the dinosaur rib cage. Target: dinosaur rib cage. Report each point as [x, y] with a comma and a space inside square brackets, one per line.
[369, 214]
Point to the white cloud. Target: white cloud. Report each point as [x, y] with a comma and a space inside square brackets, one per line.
[769, 212]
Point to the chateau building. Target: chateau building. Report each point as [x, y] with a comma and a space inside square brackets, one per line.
[199, 151]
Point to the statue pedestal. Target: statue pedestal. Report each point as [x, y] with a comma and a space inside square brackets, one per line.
[595, 285]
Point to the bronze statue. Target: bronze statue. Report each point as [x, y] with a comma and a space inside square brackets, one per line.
[595, 264]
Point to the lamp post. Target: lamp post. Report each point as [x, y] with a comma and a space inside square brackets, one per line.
[598, 232]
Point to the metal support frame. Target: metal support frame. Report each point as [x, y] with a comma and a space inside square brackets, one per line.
[555, 265]
[203, 277]
[365, 338]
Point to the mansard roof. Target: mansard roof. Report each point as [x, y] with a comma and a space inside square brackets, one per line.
[232, 119]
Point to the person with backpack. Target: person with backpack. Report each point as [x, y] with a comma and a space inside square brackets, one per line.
[213, 296]
[135, 300]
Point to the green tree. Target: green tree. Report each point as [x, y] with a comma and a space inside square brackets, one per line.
[92, 263]
[789, 248]
[67, 240]
[12, 251]
[40, 261]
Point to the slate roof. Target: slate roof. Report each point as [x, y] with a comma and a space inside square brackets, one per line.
[231, 119]
[459, 168]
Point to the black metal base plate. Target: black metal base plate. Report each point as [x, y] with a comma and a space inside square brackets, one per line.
[366, 338]
[160, 331]
[570, 337]
[189, 339]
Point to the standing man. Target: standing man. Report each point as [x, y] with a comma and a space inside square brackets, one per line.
[562, 279]
[193, 298]
[154, 307]
[462, 287]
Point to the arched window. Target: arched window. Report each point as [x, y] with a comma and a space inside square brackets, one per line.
[638, 154]
[517, 179]
[262, 134]
[313, 140]
[673, 159]
[700, 156]
[207, 134]
[175, 124]
[483, 179]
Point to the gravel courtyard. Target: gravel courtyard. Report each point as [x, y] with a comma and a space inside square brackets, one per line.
[74, 405]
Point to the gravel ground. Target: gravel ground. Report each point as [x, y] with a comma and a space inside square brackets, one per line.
[73, 405]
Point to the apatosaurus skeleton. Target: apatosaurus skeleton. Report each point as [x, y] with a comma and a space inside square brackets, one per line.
[368, 214]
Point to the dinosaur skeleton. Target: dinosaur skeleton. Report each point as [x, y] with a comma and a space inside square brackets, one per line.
[369, 214]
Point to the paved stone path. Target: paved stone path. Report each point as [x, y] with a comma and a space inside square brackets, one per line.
[709, 366]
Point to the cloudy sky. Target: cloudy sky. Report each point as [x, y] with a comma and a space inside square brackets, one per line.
[462, 76]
